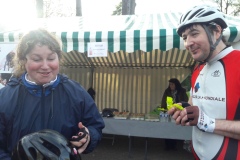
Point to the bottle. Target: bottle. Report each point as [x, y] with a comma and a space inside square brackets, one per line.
[166, 117]
[161, 116]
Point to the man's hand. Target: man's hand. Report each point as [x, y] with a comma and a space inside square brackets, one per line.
[192, 115]
[187, 117]
[81, 140]
[175, 114]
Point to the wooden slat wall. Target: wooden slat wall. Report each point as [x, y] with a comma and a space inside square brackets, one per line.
[81, 75]
[129, 89]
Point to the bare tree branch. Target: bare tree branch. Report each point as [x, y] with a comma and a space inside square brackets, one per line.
[57, 8]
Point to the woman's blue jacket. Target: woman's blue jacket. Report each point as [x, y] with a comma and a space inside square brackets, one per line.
[26, 108]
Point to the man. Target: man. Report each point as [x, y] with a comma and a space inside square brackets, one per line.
[214, 105]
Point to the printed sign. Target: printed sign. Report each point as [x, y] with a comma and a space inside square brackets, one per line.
[97, 49]
[7, 52]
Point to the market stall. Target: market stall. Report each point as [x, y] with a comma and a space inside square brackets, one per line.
[143, 53]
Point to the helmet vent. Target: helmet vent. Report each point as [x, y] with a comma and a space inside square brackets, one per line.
[208, 13]
[33, 152]
[51, 147]
[198, 12]
[184, 18]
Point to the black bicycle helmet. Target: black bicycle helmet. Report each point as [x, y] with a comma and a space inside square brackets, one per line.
[44, 145]
[201, 14]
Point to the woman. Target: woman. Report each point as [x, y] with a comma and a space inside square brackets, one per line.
[174, 90]
[178, 93]
[38, 97]
[1, 83]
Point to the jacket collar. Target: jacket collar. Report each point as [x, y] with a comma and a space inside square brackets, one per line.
[37, 90]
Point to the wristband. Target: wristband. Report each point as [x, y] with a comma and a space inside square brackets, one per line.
[205, 123]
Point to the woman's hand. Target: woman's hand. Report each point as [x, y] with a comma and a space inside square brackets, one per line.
[82, 139]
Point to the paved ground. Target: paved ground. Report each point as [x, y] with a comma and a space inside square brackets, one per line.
[120, 150]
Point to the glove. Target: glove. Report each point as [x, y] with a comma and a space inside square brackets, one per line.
[83, 132]
[192, 115]
[197, 117]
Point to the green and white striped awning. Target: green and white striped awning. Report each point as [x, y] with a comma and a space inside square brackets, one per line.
[126, 33]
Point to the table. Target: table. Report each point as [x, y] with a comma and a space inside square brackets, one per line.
[131, 128]
[165, 130]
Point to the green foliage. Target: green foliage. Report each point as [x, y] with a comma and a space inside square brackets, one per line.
[187, 83]
[155, 111]
[188, 94]
[118, 10]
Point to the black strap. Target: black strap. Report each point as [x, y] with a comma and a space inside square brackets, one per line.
[212, 46]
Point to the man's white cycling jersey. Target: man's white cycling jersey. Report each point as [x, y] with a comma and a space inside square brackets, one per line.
[216, 90]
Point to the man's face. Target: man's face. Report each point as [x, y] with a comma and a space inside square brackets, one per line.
[196, 42]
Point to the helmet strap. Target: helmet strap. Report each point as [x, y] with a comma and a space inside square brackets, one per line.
[212, 46]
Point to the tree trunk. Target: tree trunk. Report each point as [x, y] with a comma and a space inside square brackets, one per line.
[128, 7]
[78, 8]
[39, 8]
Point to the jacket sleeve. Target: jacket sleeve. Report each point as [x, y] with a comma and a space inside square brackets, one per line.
[88, 112]
[184, 96]
[164, 97]
[93, 121]
[4, 155]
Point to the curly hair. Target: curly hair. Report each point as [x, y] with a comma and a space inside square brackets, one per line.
[28, 42]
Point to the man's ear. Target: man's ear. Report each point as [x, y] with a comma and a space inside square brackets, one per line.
[218, 31]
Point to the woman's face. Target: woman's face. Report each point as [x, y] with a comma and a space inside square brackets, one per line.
[4, 82]
[172, 86]
[42, 64]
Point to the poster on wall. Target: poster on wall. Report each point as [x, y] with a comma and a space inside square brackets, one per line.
[7, 52]
[97, 49]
